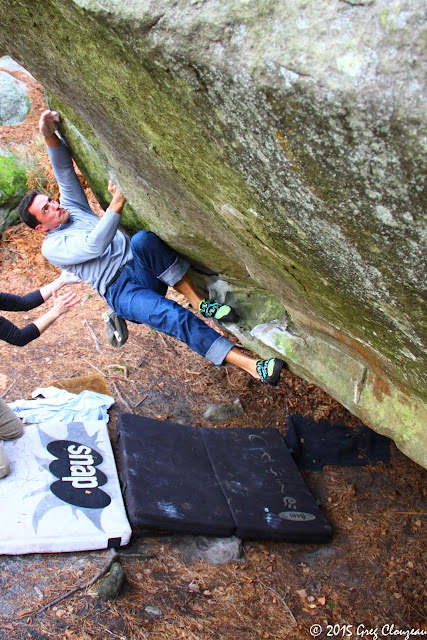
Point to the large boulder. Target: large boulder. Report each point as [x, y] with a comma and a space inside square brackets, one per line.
[14, 103]
[278, 144]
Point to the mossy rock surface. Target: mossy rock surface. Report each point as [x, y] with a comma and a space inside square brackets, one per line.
[13, 186]
[278, 144]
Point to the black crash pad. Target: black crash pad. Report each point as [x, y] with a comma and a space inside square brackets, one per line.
[220, 482]
[316, 444]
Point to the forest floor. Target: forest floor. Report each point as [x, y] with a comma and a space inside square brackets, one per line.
[369, 581]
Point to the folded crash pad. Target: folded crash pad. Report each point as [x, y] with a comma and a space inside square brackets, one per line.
[208, 481]
[63, 492]
[316, 444]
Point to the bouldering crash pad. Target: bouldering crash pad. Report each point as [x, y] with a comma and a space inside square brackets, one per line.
[63, 492]
[219, 482]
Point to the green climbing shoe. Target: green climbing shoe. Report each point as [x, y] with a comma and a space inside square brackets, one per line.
[269, 370]
[213, 309]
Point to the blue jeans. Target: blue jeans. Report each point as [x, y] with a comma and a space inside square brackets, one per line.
[138, 295]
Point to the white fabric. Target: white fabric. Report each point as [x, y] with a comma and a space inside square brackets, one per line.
[59, 405]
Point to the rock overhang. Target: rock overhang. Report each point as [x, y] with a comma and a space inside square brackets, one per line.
[278, 144]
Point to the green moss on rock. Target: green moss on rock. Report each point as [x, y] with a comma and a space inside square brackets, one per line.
[13, 186]
[12, 180]
[284, 155]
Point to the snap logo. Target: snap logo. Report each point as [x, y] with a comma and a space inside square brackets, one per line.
[79, 480]
[298, 516]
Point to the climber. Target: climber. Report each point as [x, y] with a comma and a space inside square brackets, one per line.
[132, 274]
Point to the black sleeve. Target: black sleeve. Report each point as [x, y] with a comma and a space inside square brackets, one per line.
[12, 302]
[18, 337]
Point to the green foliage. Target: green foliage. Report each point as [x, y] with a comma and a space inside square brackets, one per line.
[13, 182]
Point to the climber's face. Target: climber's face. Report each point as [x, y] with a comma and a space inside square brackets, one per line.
[48, 212]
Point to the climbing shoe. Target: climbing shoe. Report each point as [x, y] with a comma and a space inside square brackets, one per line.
[4, 463]
[116, 328]
[213, 309]
[269, 370]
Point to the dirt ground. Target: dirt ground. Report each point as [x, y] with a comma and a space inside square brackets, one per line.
[369, 581]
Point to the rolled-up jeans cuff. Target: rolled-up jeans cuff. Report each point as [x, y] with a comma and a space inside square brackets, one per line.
[218, 350]
[175, 272]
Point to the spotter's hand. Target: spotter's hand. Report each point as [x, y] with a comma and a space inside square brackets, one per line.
[64, 302]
